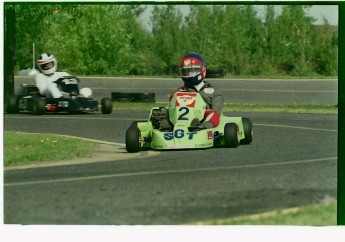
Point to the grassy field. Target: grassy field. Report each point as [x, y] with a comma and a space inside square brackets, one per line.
[323, 214]
[27, 148]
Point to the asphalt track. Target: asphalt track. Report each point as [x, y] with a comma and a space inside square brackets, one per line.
[253, 91]
[291, 162]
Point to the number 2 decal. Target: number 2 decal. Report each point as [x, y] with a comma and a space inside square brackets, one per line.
[185, 111]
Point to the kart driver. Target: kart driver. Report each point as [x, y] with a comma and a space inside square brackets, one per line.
[192, 70]
[45, 81]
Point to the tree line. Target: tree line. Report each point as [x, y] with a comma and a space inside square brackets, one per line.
[110, 40]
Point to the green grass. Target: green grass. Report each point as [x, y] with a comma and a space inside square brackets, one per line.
[324, 214]
[231, 107]
[292, 108]
[27, 148]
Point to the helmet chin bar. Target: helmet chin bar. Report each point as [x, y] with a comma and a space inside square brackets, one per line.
[192, 81]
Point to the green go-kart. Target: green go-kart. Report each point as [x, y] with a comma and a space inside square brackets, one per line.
[177, 131]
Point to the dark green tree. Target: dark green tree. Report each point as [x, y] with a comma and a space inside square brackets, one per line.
[166, 32]
[102, 40]
[31, 22]
[108, 39]
[293, 42]
[86, 39]
[9, 51]
[325, 50]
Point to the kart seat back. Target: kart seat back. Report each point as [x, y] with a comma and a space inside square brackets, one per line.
[158, 115]
[69, 85]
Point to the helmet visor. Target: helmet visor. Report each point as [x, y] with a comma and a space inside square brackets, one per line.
[187, 71]
[47, 66]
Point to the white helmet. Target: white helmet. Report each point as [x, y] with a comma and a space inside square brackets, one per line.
[47, 63]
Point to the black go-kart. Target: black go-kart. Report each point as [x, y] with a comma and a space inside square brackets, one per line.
[29, 99]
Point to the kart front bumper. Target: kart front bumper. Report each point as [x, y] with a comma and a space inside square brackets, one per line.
[182, 138]
[71, 105]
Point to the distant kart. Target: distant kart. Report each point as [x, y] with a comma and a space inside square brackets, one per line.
[179, 134]
[31, 100]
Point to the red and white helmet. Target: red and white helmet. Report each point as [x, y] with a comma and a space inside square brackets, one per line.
[192, 68]
[47, 63]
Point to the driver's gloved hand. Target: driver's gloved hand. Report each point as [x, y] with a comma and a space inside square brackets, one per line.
[195, 123]
[207, 125]
[66, 95]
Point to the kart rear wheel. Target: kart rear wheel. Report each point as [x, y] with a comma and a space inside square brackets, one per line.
[133, 139]
[106, 105]
[12, 105]
[214, 73]
[248, 131]
[231, 135]
[39, 106]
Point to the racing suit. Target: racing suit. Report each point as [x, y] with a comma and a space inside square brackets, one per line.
[214, 102]
[47, 86]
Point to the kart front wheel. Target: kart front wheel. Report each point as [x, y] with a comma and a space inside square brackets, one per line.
[248, 131]
[133, 139]
[12, 105]
[39, 106]
[106, 105]
[231, 135]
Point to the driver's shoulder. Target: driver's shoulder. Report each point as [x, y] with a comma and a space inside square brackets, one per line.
[39, 76]
[207, 88]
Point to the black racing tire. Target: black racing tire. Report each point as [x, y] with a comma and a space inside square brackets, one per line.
[133, 97]
[12, 105]
[122, 99]
[39, 106]
[22, 90]
[146, 100]
[133, 139]
[143, 95]
[231, 135]
[120, 95]
[106, 105]
[248, 131]
[214, 73]
[135, 123]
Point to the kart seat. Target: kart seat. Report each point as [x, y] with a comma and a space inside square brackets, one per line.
[159, 119]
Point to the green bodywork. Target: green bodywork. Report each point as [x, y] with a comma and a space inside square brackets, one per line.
[183, 108]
